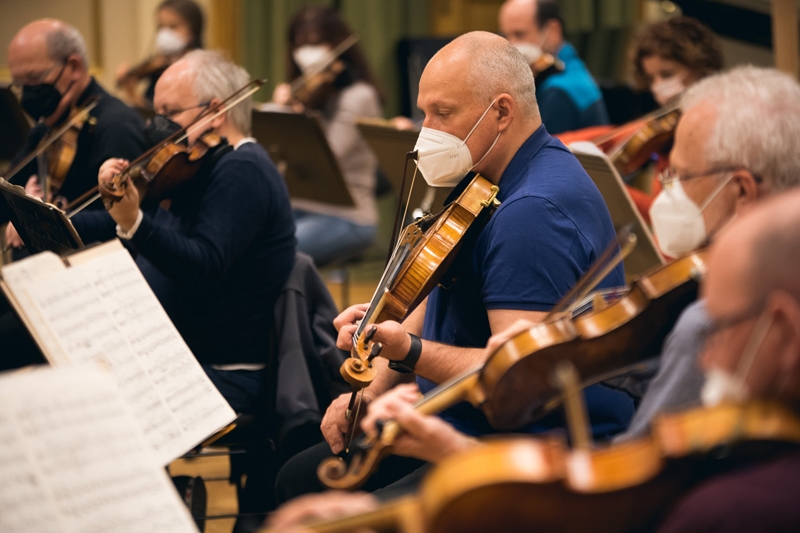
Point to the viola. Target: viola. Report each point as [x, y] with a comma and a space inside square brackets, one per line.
[631, 145]
[516, 484]
[170, 163]
[515, 386]
[312, 87]
[56, 151]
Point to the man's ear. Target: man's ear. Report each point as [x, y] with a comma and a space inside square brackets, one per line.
[746, 189]
[75, 65]
[506, 107]
[788, 321]
[220, 120]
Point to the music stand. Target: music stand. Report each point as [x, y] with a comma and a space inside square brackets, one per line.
[14, 127]
[390, 145]
[297, 145]
[623, 210]
[42, 227]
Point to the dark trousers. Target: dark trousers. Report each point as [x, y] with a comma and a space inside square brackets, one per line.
[299, 475]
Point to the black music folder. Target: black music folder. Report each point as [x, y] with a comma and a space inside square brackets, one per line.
[390, 145]
[14, 126]
[43, 227]
[297, 145]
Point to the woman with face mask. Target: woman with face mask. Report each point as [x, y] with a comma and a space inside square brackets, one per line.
[326, 232]
[669, 57]
[179, 30]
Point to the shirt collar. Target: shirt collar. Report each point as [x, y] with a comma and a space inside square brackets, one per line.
[514, 172]
[243, 142]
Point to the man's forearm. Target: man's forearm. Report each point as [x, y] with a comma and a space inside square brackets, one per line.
[385, 378]
[441, 362]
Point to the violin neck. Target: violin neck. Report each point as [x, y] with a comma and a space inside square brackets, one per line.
[402, 514]
[450, 393]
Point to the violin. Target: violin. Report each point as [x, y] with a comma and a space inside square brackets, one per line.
[311, 88]
[546, 65]
[630, 146]
[55, 153]
[524, 483]
[515, 386]
[421, 259]
[170, 163]
[149, 66]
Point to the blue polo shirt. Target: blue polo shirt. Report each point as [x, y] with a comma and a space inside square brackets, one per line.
[571, 100]
[550, 227]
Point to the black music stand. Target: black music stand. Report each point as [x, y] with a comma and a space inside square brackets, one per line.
[14, 127]
[297, 145]
[623, 210]
[42, 227]
[390, 145]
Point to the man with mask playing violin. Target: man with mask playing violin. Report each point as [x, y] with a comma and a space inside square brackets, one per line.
[48, 62]
[481, 115]
[219, 254]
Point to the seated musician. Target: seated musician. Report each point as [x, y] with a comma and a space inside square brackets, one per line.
[736, 143]
[325, 231]
[481, 114]
[179, 25]
[752, 295]
[49, 63]
[670, 56]
[219, 256]
[568, 100]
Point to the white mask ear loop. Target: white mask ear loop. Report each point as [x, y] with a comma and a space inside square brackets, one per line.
[473, 129]
[753, 346]
[479, 121]
[715, 193]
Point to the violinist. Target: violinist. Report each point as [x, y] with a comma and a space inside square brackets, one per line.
[736, 143]
[341, 93]
[220, 250]
[481, 115]
[49, 64]
[669, 57]
[179, 26]
[568, 100]
[752, 294]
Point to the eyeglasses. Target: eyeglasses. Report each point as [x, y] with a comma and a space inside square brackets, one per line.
[670, 175]
[37, 79]
[720, 325]
[171, 114]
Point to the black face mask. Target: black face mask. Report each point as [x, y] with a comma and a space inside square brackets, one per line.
[41, 100]
[159, 129]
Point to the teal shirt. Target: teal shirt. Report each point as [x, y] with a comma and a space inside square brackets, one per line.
[571, 100]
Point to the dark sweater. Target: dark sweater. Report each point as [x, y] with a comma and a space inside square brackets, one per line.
[218, 259]
[118, 132]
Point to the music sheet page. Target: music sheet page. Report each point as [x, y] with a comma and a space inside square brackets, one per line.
[29, 271]
[103, 310]
[74, 460]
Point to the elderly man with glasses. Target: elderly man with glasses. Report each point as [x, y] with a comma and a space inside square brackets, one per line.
[738, 142]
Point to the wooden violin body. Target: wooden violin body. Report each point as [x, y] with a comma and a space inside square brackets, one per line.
[527, 484]
[517, 382]
[424, 254]
[167, 168]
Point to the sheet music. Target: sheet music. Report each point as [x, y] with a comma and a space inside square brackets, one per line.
[103, 310]
[73, 459]
[32, 270]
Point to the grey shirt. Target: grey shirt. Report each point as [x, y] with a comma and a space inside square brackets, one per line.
[679, 379]
[359, 165]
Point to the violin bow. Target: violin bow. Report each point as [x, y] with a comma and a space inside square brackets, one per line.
[50, 139]
[179, 136]
[334, 54]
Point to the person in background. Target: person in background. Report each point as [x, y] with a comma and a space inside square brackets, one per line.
[328, 232]
[568, 100]
[669, 57]
[180, 30]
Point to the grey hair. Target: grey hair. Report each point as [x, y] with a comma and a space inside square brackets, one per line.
[65, 40]
[217, 77]
[499, 68]
[757, 125]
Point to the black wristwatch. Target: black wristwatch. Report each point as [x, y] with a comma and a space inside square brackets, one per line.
[406, 366]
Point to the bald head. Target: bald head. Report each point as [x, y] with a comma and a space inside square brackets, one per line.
[536, 22]
[48, 38]
[488, 65]
[764, 247]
